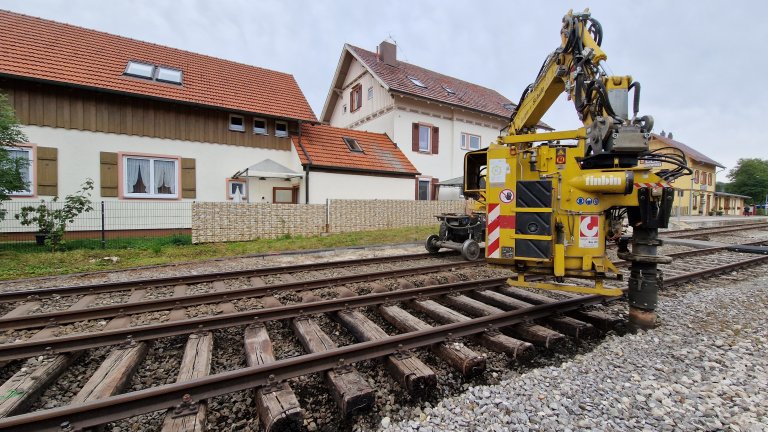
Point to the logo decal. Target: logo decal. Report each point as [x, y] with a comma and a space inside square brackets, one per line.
[589, 230]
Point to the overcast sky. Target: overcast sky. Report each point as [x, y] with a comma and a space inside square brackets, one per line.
[702, 64]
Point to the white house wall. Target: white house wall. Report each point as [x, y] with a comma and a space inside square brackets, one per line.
[395, 114]
[452, 122]
[379, 104]
[324, 185]
[79, 158]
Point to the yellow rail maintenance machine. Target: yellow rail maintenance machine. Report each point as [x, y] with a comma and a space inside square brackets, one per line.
[551, 200]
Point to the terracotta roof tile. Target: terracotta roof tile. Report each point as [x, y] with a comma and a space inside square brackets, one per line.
[326, 147]
[47, 50]
[466, 95]
[689, 151]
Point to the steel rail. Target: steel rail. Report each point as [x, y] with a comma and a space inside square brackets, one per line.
[716, 270]
[111, 311]
[77, 342]
[168, 303]
[693, 253]
[711, 230]
[105, 287]
[80, 416]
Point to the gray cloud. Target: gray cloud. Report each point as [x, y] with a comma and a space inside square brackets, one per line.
[700, 63]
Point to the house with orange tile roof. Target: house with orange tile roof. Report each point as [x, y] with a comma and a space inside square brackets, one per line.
[433, 118]
[146, 122]
[355, 164]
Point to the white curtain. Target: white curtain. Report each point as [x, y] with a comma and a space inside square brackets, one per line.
[24, 155]
[136, 167]
[165, 177]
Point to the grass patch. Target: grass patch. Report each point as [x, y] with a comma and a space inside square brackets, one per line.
[86, 255]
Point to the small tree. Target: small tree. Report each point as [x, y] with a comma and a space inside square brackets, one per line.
[10, 168]
[51, 221]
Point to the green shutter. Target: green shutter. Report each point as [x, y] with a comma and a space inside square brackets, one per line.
[47, 171]
[188, 178]
[109, 179]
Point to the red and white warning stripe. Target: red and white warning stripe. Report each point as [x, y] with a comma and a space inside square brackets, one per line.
[492, 249]
[651, 185]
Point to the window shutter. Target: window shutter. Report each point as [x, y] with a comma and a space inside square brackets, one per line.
[108, 178]
[416, 197]
[47, 171]
[435, 189]
[435, 139]
[188, 178]
[415, 141]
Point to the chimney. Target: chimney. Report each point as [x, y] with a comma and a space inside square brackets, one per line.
[387, 53]
[669, 135]
[663, 134]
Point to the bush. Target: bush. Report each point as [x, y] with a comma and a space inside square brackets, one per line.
[52, 222]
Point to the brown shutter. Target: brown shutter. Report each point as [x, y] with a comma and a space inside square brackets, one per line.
[435, 188]
[435, 139]
[415, 141]
[47, 171]
[188, 178]
[108, 174]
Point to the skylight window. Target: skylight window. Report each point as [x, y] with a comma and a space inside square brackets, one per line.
[509, 106]
[169, 75]
[353, 145]
[417, 82]
[141, 70]
[153, 72]
[448, 90]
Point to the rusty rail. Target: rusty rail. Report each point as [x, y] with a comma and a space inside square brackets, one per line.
[105, 287]
[110, 311]
[77, 342]
[102, 411]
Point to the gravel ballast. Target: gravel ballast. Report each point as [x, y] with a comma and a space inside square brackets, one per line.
[704, 368]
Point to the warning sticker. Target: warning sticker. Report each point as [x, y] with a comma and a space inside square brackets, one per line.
[497, 170]
[506, 196]
[589, 230]
[560, 156]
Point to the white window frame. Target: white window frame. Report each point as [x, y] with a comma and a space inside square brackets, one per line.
[279, 133]
[30, 191]
[161, 69]
[260, 132]
[429, 139]
[417, 82]
[370, 92]
[127, 71]
[151, 181]
[466, 141]
[231, 195]
[235, 128]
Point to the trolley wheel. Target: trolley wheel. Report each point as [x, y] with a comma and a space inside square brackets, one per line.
[430, 244]
[470, 250]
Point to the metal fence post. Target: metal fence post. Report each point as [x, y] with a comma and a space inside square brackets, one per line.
[103, 223]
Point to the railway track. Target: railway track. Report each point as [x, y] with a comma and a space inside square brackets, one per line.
[436, 315]
[686, 233]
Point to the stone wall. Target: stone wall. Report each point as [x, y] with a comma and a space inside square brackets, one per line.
[369, 215]
[226, 221]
